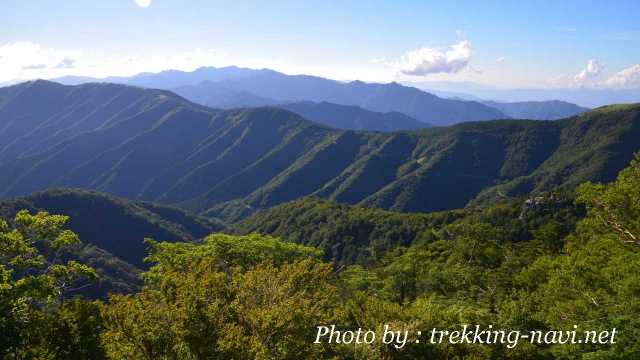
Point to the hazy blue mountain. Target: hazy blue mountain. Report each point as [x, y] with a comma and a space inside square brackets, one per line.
[11, 82]
[353, 117]
[219, 95]
[174, 78]
[268, 85]
[454, 95]
[154, 145]
[585, 97]
[78, 80]
[538, 110]
[375, 97]
[168, 79]
[533, 110]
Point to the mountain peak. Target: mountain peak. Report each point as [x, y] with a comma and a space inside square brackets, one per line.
[42, 82]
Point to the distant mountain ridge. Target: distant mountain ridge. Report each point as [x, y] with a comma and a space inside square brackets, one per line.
[218, 95]
[230, 87]
[353, 117]
[153, 145]
[537, 110]
[590, 97]
[349, 117]
[208, 85]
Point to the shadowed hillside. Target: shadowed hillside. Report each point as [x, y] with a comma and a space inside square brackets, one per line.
[353, 117]
[229, 164]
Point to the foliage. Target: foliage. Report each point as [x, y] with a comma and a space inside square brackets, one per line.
[596, 283]
[114, 230]
[616, 207]
[224, 252]
[545, 263]
[353, 234]
[231, 301]
[34, 279]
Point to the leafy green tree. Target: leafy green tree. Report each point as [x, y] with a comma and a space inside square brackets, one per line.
[34, 280]
[596, 283]
[224, 252]
[247, 297]
[615, 208]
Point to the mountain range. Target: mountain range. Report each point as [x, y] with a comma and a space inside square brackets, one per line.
[349, 117]
[154, 145]
[583, 96]
[231, 87]
[537, 110]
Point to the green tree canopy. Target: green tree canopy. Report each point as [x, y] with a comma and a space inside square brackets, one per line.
[34, 280]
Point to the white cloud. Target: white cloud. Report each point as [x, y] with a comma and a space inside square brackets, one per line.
[34, 67]
[586, 77]
[19, 59]
[587, 74]
[143, 3]
[500, 59]
[589, 77]
[66, 63]
[379, 61]
[627, 78]
[26, 60]
[427, 61]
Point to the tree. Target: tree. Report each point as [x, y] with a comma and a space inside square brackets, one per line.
[615, 207]
[34, 280]
[595, 284]
[245, 297]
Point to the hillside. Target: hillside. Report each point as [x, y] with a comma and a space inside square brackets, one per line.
[347, 234]
[592, 146]
[353, 117]
[358, 235]
[229, 164]
[221, 96]
[447, 168]
[37, 115]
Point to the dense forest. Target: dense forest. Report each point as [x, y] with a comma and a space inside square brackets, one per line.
[547, 262]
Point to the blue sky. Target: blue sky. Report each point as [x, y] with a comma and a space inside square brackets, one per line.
[500, 43]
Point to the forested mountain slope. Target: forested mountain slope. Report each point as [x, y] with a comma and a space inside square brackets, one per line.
[359, 235]
[155, 146]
